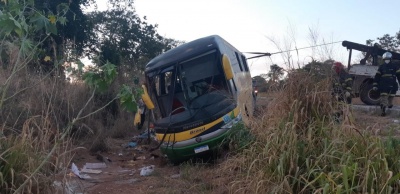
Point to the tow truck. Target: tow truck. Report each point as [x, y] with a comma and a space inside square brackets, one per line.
[364, 72]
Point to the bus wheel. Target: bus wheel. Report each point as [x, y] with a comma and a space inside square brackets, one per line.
[369, 96]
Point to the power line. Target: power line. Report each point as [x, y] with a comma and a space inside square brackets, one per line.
[261, 54]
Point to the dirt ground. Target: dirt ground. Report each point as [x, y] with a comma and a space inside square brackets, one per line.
[124, 164]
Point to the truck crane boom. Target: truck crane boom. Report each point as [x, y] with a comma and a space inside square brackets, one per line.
[373, 51]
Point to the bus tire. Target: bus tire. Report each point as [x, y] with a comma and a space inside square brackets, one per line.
[368, 95]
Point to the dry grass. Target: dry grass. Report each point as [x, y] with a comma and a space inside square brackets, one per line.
[36, 133]
[300, 149]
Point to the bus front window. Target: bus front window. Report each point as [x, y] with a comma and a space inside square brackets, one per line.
[192, 90]
[202, 75]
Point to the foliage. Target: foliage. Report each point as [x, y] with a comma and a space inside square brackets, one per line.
[275, 73]
[240, 137]
[387, 42]
[123, 38]
[101, 78]
[320, 70]
[300, 149]
[44, 23]
[73, 27]
[19, 44]
[262, 85]
[128, 98]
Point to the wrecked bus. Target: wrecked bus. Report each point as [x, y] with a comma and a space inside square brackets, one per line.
[200, 90]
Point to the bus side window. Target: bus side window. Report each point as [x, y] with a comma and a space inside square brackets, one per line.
[238, 60]
[246, 67]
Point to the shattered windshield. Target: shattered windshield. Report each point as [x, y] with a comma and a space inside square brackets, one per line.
[194, 89]
[201, 75]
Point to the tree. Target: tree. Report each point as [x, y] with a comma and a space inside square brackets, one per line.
[317, 69]
[275, 73]
[387, 42]
[124, 39]
[71, 33]
[262, 85]
[398, 37]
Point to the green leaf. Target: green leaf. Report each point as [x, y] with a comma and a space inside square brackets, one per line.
[62, 20]
[26, 47]
[129, 106]
[62, 8]
[51, 28]
[127, 99]
[39, 21]
[7, 24]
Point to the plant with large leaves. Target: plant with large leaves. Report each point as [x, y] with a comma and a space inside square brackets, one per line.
[20, 23]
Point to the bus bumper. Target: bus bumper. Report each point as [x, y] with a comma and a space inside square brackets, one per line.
[202, 145]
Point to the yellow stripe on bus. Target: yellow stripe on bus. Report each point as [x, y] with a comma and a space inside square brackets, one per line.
[191, 133]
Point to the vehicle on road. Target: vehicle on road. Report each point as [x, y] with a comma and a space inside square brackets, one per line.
[200, 90]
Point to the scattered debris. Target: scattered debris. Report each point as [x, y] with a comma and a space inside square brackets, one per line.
[141, 158]
[95, 165]
[132, 144]
[91, 171]
[102, 158]
[144, 135]
[139, 149]
[175, 176]
[76, 171]
[146, 171]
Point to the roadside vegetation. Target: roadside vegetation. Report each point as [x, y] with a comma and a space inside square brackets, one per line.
[299, 148]
[50, 105]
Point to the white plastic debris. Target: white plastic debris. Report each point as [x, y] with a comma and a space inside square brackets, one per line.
[146, 171]
[76, 171]
[91, 171]
[94, 165]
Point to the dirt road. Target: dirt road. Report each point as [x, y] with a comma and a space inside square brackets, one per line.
[124, 164]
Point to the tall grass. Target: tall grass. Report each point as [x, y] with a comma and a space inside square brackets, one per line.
[300, 149]
[22, 154]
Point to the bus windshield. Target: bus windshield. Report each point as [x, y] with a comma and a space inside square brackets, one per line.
[192, 89]
[201, 75]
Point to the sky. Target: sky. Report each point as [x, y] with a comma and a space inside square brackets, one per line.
[250, 25]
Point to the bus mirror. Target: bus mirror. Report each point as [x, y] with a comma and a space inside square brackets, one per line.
[146, 98]
[226, 64]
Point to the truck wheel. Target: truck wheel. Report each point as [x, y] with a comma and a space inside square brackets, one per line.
[369, 96]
